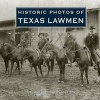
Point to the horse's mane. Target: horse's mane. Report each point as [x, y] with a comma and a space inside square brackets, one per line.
[50, 46]
[29, 50]
[71, 38]
[9, 46]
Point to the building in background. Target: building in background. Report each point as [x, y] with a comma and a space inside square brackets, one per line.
[56, 34]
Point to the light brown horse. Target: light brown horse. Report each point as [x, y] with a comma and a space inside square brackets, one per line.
[92, 42]
[12, 53]
[81, 57]
[35, 59]
[60, 58]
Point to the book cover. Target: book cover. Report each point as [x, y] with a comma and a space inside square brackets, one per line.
[46, 45]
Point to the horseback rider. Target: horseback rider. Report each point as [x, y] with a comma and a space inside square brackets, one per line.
[69, 38]
[23, 42]
[12, 41]
[42, 41]
[92, 42]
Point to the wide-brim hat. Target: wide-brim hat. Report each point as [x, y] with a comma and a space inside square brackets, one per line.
[92, 28]
[40, 34]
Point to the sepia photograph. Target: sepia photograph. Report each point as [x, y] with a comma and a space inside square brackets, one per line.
[49, 49]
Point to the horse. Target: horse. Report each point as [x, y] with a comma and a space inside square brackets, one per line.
[81, 56]
[92, 42]
[35, 59]
[48, 57]
[59, 56]
[6, 60]
[12, 53]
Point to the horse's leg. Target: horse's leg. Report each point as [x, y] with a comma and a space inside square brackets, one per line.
[35, 67]
[47, 62]
[39, 66]
[60, 67]
[12, 64]
[52, 66]
[18, 66]
[82, 72]
[98, 79]
[21, 63]
[63, 72]
[31, 65]
[6, 65]
[86, 74]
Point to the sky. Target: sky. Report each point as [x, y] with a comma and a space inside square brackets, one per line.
[8, 7]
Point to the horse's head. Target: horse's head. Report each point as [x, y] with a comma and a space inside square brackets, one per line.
[47, 46]
[70, 44]
[5, 48]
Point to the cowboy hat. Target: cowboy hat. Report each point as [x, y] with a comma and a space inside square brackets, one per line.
[91, 27]
[41, 34]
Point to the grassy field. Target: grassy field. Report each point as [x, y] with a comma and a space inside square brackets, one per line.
[25, 87]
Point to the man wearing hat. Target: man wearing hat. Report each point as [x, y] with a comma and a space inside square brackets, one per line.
[12, 41]
[42, 41]
[92, 42]
[69, 38]
[24, 41]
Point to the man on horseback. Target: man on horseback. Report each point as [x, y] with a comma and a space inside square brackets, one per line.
[69, 38]
[92, 42]
[42, 41]
[24, 42]
[12, 41]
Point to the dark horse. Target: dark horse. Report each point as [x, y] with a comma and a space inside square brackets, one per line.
[35, 59]
[60, 58]
[9, 52]
[81, 57]
[48, 56]
[92, 42]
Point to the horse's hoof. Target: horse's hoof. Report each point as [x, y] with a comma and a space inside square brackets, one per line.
[42, 76]
[36, 79]
[11, 73]
[47, 76]
[42, 79]
[30, 72]
[95, 81]
[81, 85]
[6, 73]
[98, 80]
[87, 86]
[95, 68]
[62, 82]
[59, 81]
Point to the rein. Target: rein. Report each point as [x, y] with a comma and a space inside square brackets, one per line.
[78, 50]
[11, 51]
[31, 54]
[51, 42]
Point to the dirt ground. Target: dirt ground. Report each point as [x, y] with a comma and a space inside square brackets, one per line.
[25, 87]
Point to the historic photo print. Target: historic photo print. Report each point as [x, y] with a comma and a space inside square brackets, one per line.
[49, 50]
